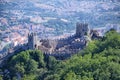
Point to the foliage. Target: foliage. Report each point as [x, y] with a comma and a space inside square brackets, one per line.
[25, 63]
[0, 77]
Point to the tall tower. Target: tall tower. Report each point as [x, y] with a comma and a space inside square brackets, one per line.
[82, 29]
[32, 41]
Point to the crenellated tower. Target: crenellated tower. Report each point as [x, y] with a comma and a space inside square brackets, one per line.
[32, 41]
[82, 29]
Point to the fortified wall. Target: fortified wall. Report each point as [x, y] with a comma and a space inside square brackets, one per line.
[68, 45]
[60, 48]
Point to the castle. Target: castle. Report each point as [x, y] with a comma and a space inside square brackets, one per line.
[69, 45]
[59, 48]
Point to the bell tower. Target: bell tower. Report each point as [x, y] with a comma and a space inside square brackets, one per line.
[32, 41]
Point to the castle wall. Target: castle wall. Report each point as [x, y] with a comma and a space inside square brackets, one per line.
[67, 45]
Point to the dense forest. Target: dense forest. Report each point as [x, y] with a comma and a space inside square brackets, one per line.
[100, 60]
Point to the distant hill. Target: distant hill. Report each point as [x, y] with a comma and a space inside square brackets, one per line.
[66, 13]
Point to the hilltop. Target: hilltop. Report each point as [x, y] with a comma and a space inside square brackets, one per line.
[100, 60]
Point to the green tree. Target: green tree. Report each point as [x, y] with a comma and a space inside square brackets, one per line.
[32, 66]
[39, 57]
[1, 78]
[19, 68]
[70, 76]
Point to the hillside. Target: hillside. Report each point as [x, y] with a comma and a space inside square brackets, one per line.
[60, 15]
[100, 60]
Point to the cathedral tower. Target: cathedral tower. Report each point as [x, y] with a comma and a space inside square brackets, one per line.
[32, 41]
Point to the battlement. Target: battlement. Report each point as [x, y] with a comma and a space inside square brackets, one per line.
[82, 29]
[32, 34]
[32, 40]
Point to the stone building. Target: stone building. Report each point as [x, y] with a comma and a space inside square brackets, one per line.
[32, 41]
[67, 45]
[82, 29]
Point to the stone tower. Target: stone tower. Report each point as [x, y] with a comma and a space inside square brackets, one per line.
[82, 29]
[32, 41]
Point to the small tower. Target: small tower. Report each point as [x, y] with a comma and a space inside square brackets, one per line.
[32, 41]
[82, 29]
